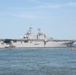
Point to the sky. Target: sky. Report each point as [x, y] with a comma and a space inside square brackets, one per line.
[56, 18]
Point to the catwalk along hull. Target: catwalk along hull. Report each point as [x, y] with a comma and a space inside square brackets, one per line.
[11, 43]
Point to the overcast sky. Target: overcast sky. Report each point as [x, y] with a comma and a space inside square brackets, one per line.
[56, 18]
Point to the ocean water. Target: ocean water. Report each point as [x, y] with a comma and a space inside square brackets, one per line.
[37, 61]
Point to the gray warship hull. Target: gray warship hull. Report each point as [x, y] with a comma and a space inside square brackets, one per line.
[30, 40]
[13, 43]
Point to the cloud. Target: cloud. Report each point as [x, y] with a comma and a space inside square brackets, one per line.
[53, 6]
[30, 14]
[35, 1]
[27, 16]
[23, 15]
[72, 4]
[47, 6]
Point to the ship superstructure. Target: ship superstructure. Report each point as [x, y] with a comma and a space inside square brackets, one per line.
[30, 40]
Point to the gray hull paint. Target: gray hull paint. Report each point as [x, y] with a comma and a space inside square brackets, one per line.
[30, 40]
[36, 44]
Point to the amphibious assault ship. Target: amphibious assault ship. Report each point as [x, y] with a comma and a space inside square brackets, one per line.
[30, 40]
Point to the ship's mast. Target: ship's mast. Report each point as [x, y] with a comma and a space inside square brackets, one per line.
[30, 30]
[39, 30]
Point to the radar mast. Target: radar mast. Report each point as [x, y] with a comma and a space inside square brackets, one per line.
[30, 30]
[39, 30]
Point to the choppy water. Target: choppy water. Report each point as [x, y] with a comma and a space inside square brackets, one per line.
[53, 61]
